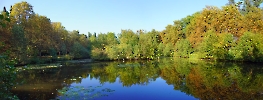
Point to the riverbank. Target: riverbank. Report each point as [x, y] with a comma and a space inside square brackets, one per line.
[60, 60]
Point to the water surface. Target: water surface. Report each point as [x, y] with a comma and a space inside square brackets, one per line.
[163, 79]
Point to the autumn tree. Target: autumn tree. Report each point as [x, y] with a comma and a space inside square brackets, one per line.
[225, 20]
[39, 34]
[60, 37]
[21, 12]
[253, 20]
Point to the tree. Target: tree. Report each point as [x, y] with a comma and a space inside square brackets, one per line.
[73, 37]
[225, 20]
[79, 51]
[18, 44]
[248, 48]
[39, 34]
[170, 34]
[253, 20]
[7, 69]
[147, 46]
[206, 47]
[4, 16]
[128, 39]
[59, 37]
[5, 30]
[168, 50]
[161, 47]
[21, 12]
[223, 46]
[112, 46]
[111, 38]
[231, 21]
[183, 48]
[112, 52]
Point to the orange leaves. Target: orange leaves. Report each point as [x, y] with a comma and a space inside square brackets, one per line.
[253, 20]
[228, 19]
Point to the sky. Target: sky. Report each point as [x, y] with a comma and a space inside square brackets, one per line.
[102, 16]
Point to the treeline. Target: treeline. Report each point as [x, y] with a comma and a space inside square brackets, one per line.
[233, 32]
[28, 37]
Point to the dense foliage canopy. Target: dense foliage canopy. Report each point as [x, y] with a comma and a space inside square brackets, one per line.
[232, 32]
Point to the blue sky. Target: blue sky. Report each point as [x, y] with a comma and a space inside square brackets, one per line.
[114, 15]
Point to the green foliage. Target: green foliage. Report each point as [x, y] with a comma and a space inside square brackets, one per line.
[19, 43]
[168, 50]
[248, 48]
[111, 39]
[209, 33]
[160, 52]
[98, 54]
[148, 44]
[223, 46]
[183, 49]
[206, 47]
[128, 39]
[4, 16]
[7, 78]
[7, 69]
[21, 12]
[104, 46]
[112, 52]
[53, 54]
[79, 51]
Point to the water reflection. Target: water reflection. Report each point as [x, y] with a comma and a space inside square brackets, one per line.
[44, 83]
[201, 79]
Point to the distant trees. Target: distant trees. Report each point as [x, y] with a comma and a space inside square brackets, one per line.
[213, 33]
[30, 35]
[216, 33]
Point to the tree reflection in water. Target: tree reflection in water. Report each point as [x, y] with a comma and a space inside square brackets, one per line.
[201, 79]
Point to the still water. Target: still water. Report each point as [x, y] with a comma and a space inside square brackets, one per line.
[164, 79]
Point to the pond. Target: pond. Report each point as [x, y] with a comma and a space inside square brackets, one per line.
[164, 79]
